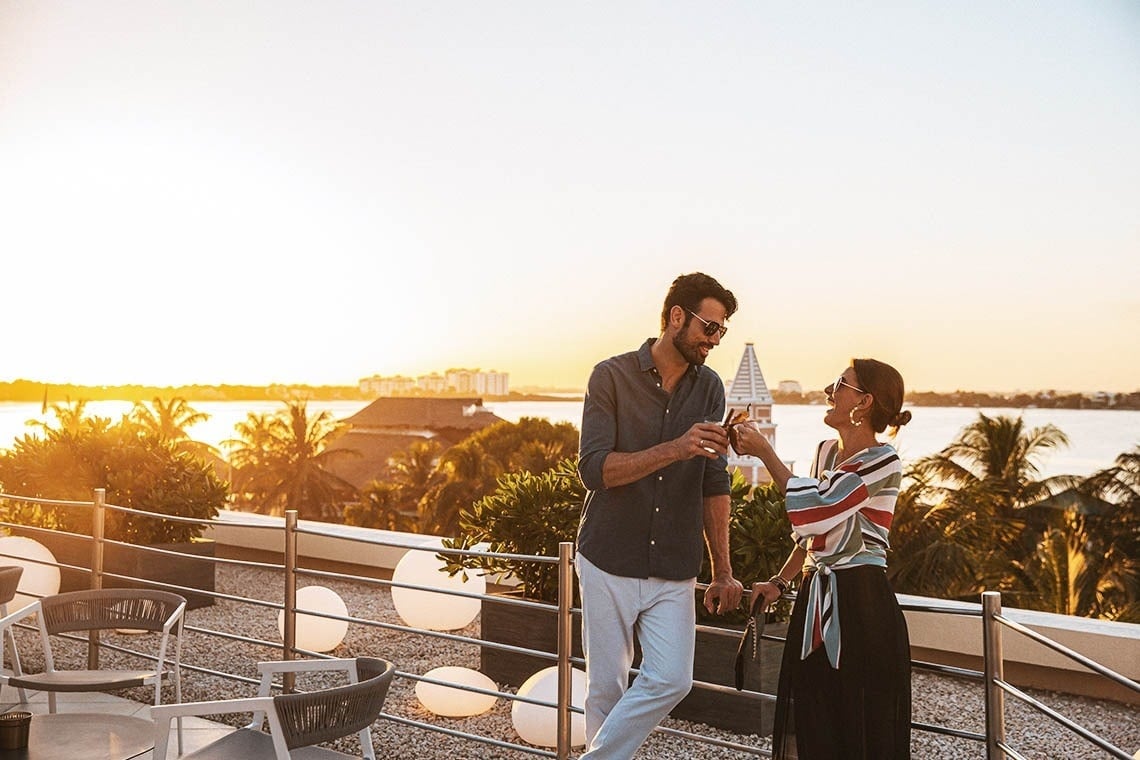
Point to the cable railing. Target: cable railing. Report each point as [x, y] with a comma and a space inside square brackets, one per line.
[995, 687]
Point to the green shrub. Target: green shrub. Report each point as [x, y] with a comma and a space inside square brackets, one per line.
[137, 469]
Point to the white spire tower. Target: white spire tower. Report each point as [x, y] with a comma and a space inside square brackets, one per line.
[748, 389]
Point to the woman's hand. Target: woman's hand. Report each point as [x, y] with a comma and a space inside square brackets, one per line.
[769, 591]
[747, 439]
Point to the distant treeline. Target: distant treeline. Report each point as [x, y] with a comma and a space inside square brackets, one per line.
[1041, 400]
[48, 393]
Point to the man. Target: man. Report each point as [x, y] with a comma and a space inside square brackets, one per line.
[653, 459]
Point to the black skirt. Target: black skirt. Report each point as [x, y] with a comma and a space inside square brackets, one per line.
[860, 711]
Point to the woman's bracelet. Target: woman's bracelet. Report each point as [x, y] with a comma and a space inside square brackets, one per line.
[780, 583]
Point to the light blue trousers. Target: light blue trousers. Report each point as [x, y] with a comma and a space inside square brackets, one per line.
[662, 615]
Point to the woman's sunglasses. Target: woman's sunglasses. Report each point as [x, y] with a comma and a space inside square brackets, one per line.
[711, 328]
[840, 381]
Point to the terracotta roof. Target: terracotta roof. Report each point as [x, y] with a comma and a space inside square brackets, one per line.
[388, 425]
[413, 413]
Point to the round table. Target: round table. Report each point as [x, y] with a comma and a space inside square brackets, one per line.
[91, 736]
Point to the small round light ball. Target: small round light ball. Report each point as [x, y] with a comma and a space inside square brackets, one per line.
[538, 725]
[317, 634]
[429, 609]
[38, 580]
[456, 703]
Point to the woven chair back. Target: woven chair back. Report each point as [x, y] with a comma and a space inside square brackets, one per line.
[9, 582]
[141, 609]
[329, 714]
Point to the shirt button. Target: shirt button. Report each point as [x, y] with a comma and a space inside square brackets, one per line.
[657, 509]
[660, 477]
[653, 543]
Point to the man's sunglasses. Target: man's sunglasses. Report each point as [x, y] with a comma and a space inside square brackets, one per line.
[711, 328]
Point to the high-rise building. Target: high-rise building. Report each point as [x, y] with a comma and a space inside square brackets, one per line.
[458, 381]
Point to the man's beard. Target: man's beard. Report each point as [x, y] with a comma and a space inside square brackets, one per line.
[691, 351]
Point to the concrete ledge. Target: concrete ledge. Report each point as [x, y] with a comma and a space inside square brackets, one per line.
[956, 640]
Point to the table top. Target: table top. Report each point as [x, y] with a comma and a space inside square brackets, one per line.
[92, 736]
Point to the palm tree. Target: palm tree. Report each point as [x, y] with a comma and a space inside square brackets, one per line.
[381, 506]
[169, 421]
[962, 523]
[281, 463]
[1106, 506]
[71, 418]
[471, 469]
[411, 469]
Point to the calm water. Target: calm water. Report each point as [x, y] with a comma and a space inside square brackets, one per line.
[1096, 436]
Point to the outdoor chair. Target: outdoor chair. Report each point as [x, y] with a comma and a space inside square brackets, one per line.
[296, 721]
[98, 610]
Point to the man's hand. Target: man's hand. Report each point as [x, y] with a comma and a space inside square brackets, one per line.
[704, 439]
[723, 595]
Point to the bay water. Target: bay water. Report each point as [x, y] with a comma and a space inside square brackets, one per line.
[1096, 436]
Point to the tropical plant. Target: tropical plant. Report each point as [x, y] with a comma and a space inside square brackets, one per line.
[71, 417]
[137, 469]
[281, 463]
[531, 514]
[170, 420]
[962, 523]
[470, 469]
[381, 507]
[527, 514]
[392, 504]
[759, 539]
[1102, 535]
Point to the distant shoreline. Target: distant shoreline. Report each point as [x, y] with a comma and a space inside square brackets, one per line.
[26, 391]
[30, 391]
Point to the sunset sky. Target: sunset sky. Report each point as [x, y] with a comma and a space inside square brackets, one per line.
[313, 192]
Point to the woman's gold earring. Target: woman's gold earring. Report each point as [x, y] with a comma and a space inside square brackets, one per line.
[854, 421]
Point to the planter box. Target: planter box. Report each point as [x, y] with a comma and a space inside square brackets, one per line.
[133, 561]
[518, 626]
[714, 662]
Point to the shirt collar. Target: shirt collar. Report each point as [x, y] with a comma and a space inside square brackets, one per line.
[645, 359]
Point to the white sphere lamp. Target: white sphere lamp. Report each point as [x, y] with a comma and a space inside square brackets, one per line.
[456, 703]
[38, 580]
[429, 609]
[317, 634]
[538, 725]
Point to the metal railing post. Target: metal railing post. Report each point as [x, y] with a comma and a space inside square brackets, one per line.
[98, 520]
[290, 633]
[565, 643]
[994, 671]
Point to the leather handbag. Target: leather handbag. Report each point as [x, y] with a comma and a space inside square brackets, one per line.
[749, 648]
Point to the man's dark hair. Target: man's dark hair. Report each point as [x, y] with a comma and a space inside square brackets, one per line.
[688, 290]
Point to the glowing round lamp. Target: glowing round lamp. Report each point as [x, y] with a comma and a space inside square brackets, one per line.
[317, 634]
[428, 609]
[456, 703]
[40, 580]
[538, 725]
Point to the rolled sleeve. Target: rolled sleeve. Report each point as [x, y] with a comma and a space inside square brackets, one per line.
[599, 429]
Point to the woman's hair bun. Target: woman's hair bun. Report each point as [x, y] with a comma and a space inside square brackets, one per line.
[901, 418]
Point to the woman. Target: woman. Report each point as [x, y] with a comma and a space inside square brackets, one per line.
[845, 679]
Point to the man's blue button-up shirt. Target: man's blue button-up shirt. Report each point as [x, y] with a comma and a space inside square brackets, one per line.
[653, 527]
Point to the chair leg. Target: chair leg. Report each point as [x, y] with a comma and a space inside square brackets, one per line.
[10, 642]
[366, 750]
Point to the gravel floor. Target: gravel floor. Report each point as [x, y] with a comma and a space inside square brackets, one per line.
[937, 700]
